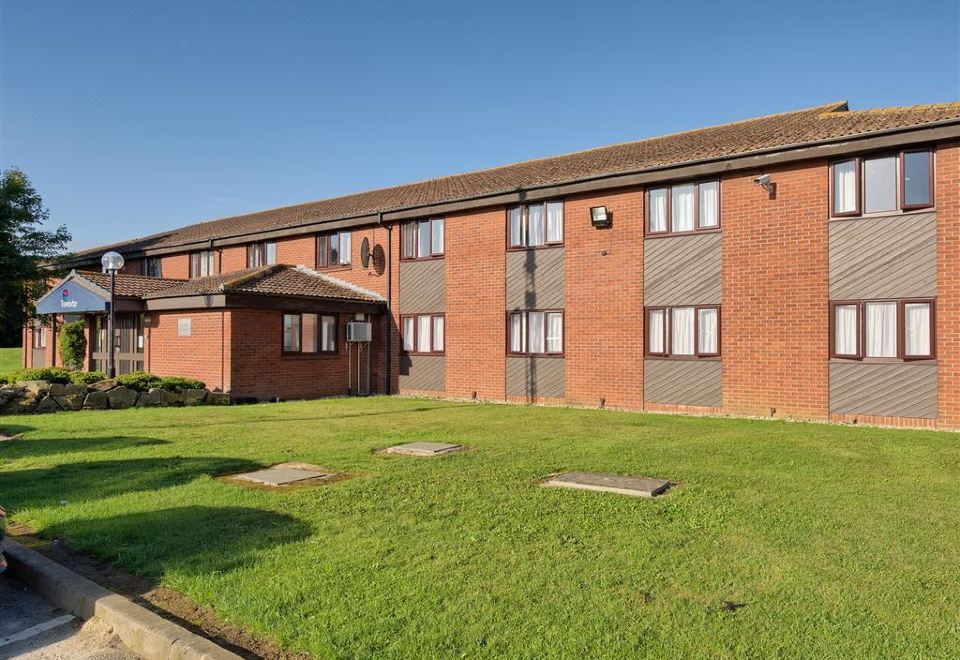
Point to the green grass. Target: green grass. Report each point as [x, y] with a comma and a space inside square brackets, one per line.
[10, 359]
[841, 542]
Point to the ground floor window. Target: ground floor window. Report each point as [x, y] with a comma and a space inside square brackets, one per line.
[683, 331]
[883, 329]
[39, 336]
[423, 334]
[535, 332]
[309, 333]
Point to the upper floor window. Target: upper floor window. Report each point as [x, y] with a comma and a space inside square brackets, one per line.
[309, 333]
[535, 225]
[422, 239]
[683, 208]
[423, 334]
[333, 249]
[152, 267]
[202, 264]
[535, 333]
[883, 329]
[683, 332]
[882, 184]
[261, 254]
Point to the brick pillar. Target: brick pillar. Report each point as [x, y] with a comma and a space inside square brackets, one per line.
[948, 282]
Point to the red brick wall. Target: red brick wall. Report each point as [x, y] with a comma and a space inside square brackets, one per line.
[204, 355]
[475, 325]
[603, 334]
[299, 251]
[233, 258]
[948, 282]
[176, 266]
[775, 294]
[132, 267]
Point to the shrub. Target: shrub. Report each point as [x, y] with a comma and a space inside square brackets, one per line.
[139, 380]
[179, 383]
[73, 345]
[86, 377]
[51, 374]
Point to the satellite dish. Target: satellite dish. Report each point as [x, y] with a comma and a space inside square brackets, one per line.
[365, 252]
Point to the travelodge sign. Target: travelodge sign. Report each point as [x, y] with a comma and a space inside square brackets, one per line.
[72, 297]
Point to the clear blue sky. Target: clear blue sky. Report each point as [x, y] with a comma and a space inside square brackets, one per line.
[134, 117]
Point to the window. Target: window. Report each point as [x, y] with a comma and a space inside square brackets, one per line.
[535, 225]
[261, 254]
[40, 336]
[683, 208]
[309, 333]
[333, 250]
[422, 239]
[152, 267]
[683, 331]
[882, 184]
[201, 263]
[882, 330]
[535, 333]
[423, 334]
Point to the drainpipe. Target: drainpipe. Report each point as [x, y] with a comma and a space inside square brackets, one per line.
[389, 346]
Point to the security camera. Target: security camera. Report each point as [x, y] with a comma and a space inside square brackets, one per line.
[763, 180]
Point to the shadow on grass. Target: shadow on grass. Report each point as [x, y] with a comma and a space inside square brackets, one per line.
[73, 482]
[10, 429]
[23, 448]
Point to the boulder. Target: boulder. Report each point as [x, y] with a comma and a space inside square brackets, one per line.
[193, 397]
[96, 401]
[102, 385]
[122, 397]
[172, 398]
[47, 404]
[70, 401]
[9, 394]
[217, 399]
[59, 389]
[25, 402]
[151, 399]
[35, 386]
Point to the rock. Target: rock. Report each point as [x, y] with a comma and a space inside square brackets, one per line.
[9, 394]
[102, 385]
[193, 397]
[70, 401]
[35, 386]
[122, 397]
[59, 389]
[172, 398]
[47, 404]
[217, 399]
[96, 401]
[151, 399]
[25, 402]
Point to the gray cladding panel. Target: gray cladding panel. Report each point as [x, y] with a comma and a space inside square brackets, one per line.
[422, 286]
[683, 382]
[536, 376]
[894, 390]
[535, 279]
[884, 257]
[683, 270]
[422, 372]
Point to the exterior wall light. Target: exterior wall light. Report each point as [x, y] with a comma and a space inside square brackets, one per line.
[600, 216]
[112, 262]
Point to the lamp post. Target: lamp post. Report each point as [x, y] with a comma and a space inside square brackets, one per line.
[111, 262]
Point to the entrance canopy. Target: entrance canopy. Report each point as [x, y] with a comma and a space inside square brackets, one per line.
[74, 295]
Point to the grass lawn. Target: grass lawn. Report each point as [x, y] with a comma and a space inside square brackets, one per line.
[840, 542]
[10, 359]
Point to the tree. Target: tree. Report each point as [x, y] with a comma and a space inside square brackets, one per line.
[24, 247]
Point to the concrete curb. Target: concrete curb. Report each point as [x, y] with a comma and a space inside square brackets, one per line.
[145, 633]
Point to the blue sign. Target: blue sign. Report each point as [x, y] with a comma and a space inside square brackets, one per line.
[70, 297]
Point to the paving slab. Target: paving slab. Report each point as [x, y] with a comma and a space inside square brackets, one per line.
[424, 449]
[281, 475]
[610, 483]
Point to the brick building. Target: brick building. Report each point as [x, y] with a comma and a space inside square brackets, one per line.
[803, 265]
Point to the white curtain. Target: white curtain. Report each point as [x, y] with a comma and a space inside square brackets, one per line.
[436, 236]
[658, 210]
[845, 329]
[328, 334]
[438, 333]
[845, 187]
[916, 329]
[271, 253]
[423, 334]
[423, 238]
[682, 326]
[683, 208]
[309, 322]
[554, 332]
[709, 204]
[408, 333]
[555, 222]
[535, 225]
[291, 332]
[655, 331]
[535, 332]
[345, 248]
[516, 226]
[707, 331]
[516, 333]
[881, 329]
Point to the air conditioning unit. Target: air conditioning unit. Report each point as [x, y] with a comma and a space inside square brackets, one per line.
[358, 331]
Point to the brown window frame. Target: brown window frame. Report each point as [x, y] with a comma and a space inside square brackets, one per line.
[416, 332]
[697, 229]
[199, 255]
[527, 353]
[860, 184]
[145, 266]
[261, 246]
[901, 303]
[414, 225]
[668, 332]
[525, 226]
[320, 351]
[323, 251]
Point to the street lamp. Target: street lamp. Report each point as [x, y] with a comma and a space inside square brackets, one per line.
[111, 262]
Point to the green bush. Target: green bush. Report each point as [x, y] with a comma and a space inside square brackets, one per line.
[51, 374]
[139, 380]
[73, 345]
[179, 383]
[86, 377]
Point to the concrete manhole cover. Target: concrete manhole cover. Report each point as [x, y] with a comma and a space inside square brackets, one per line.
[424, 449]
[609, 483]
[285, 473]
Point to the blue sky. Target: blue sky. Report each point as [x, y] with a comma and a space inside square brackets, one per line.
[132, 117]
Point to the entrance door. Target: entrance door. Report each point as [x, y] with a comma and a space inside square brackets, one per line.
[128, 338]
[39, 347]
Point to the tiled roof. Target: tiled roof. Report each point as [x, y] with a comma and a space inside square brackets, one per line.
[277, 280]
[129, 286]
[790, 129]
